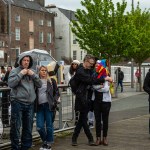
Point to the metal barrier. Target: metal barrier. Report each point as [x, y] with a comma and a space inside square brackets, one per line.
[64, 119]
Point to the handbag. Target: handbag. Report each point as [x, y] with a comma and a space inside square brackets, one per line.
[112, 90]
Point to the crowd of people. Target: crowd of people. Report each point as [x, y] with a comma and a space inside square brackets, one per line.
[33, 92]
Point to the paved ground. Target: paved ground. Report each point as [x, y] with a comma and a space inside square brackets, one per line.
[128, 128]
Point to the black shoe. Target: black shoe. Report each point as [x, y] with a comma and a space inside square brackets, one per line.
[74, 143]
[92, 143]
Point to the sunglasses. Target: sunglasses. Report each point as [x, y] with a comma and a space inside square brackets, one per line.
[74, 64]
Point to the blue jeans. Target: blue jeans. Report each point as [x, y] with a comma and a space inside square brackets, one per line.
[121, 84]
[21, 115]
[44, 117]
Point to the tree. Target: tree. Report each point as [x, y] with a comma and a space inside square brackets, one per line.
[138, 38]
[101, 29]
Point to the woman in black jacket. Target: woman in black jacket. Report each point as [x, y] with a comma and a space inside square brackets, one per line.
[47, 97]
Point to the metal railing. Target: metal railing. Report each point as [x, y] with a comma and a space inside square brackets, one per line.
[64, 119]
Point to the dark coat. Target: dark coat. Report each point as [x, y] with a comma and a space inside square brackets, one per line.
[52, 95]
[83, 95]
[146, 85]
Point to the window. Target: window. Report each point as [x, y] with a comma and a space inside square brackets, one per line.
[48, 37]
[17, 18]
[74, 55]
[31, 25]
[2, 43]
[17, 51]
[31, 43]
[81, 55]
[17, 32]
[41, 37]
[41, 22]
[74, 39]
[49, 23]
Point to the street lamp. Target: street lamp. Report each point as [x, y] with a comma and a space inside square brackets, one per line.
[9, 31]
[132, 4]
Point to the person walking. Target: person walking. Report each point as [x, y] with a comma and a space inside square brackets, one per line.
[120, 76]
[47, 97]
[138, 75]
[22, 81]
[83, 95]
[102, 104]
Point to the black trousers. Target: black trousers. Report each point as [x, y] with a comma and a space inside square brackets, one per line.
[82, 122]
[101, 112]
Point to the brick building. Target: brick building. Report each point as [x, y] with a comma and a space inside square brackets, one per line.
[24, 25]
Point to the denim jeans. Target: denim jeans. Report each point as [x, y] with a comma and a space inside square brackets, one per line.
[44, 122]
[21, 115]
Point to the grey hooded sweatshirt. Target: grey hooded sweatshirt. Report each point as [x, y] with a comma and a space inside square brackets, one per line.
[23, 86]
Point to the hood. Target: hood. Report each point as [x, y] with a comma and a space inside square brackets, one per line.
[25, 55]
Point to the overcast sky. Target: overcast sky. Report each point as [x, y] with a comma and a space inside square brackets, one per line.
[75, 4]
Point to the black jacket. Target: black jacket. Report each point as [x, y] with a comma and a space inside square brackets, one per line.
[83, 95]
[146, 85]
[52, 95]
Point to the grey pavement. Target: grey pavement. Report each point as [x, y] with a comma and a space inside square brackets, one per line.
[128, 127]
[130, 132]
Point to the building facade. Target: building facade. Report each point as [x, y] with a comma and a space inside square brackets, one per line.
[65, 41]
[24, 25]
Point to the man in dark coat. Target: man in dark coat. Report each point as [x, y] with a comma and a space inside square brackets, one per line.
[146, 87]
[82, 101]
[120, 77]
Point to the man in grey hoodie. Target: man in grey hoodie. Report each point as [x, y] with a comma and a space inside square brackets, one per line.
[22, 81]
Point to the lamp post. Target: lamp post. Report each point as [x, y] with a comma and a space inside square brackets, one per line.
[9, 31]
[132, 73]
[132, 4]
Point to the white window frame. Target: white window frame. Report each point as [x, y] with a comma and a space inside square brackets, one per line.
[17, 18]
[49, 23]
[41, 36]
[74, 55]
[17, 33]
[17, 48]
[49, 37]
[41, 22]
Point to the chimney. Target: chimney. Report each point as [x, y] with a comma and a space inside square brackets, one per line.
[40, 2]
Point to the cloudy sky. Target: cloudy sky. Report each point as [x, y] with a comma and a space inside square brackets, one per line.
[75, 4]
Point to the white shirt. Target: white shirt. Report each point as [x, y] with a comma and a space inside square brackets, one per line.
[105, 90]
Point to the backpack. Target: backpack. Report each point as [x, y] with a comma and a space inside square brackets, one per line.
[73, 84]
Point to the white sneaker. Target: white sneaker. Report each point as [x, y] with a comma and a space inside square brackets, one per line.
[48, 147]
[43, 147]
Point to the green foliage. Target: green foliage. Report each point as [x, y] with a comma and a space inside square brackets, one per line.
[101, 29]
[138, 45]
